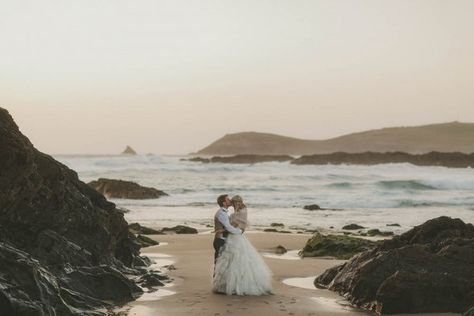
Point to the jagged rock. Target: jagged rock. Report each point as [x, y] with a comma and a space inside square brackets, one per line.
[352, 227]
[152, 279]
[146, 241]
[340, 247]
[136, 228]
[429, 269]
[120, 189]
[377, 232]
[180, 229]
[312, 207]
[279, 250]
[129, 151]
[64, 249]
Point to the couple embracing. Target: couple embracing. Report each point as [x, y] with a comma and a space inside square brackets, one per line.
[238, 267]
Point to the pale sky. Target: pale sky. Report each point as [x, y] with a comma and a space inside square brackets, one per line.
[92, 76]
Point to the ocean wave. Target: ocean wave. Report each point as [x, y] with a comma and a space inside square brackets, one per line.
[405, 185]
[340, 185]
[413, 203]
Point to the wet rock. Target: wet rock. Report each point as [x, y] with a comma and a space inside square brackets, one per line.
[340, 247]
[312, 207]
[394, 224]
[270, 230]
[352, 227]
[120, 189]
[146, 241]
[136, 228]
[179, 229]
[64, 249]
[150, 280]
[279, 250]
[429, 269]
[377, 232]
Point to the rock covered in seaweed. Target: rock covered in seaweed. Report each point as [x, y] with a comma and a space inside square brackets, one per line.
[338, 246]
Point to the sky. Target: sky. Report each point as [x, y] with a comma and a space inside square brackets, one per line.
[170, 77]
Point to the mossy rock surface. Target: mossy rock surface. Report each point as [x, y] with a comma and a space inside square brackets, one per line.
[340, 247]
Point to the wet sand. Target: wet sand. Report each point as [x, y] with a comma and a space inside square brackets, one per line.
[190, 292]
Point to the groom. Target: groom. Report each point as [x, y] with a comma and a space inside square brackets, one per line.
[222, 223]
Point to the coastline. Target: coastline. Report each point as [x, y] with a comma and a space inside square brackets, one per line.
[192, 257]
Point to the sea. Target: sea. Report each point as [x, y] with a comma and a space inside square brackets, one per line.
[274, 192]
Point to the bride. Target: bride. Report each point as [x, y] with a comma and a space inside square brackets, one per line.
[240, 269]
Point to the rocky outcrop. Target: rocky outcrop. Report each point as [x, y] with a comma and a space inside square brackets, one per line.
[427, 269]
[179, 229]
[64, 249]
[120, 189]
[452, 159]
[352, 227]
[312, 207]
[337, 246]
[243, 159]
[136, 228]
[146, 241]
[129, 151]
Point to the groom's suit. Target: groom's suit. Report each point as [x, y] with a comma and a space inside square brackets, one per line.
[222, 222]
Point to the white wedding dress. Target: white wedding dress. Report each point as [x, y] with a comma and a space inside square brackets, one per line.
[240, 270]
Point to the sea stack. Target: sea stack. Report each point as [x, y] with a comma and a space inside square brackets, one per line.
[129, 151]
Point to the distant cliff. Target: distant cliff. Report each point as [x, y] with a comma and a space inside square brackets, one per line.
[447, 137]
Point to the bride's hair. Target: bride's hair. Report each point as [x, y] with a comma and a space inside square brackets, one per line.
[238, 199]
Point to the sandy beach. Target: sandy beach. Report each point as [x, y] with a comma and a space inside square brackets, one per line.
[192, 255]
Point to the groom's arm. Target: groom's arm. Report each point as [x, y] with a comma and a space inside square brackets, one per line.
[224, 219]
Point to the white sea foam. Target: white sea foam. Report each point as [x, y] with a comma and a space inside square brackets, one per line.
[372, 196]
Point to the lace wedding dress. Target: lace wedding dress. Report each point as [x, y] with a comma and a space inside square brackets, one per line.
[240, 269]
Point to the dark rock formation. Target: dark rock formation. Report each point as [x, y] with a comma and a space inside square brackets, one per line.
[312, 207]
[64, 248]
[180, 229]
[277, 225]
[352, 227]
[145, 241]
[129, 151]
[425, 270]
[451, 159]
[377, 232]
[340, 247]
[279, 250]
[270, 230]
[136, 228]
[394, 225]
[120, 189]
[243, 159]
